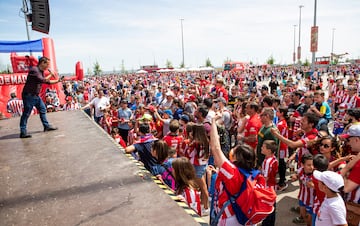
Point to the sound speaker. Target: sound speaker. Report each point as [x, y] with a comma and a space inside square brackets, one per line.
[40, 15]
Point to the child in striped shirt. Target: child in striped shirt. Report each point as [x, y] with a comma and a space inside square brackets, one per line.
[186, 187]
[306, 193]
[269, 169]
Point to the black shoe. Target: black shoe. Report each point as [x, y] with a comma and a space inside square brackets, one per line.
[50, 128]
[24, 135]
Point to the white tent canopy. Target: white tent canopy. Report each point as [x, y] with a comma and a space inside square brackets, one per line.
[165, 70]
[194, 69]
[141, 72]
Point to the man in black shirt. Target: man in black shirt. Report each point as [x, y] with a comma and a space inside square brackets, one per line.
[273, 84]
[30, 95]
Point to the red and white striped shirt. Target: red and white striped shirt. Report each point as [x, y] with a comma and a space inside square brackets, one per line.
[269, 169]
[106, 124]
[311, 135]
[306, 194]
[192, 198]
[351, 102]
[196, 154]
[15, 107]
[319, 196]
[339, 96]
[284, 131]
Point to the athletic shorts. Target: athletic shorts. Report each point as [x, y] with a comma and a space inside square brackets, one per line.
[200, 171]
[308, 208]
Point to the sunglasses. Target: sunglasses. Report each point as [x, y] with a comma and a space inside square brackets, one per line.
[324, 145]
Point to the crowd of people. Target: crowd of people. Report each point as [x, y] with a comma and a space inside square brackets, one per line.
[192, 130]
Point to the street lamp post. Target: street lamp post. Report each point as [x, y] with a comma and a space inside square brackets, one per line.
[299, 47]
[294, 53]
[332, 45]
[313, 52]
[182, 43]
[25, 10]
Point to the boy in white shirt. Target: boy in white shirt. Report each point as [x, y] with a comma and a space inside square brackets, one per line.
[332, 210]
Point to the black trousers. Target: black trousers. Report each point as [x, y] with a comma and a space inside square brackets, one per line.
[282, 172]
[270, 220]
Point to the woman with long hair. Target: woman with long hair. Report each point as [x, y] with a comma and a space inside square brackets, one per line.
[198, 152]
[164, 155]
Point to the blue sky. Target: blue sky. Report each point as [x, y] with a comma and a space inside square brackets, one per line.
[143, 32]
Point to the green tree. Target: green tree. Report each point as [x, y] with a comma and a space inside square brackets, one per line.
[168, 64]
[97, 69]
[208, 63]
[306, 63]
[270, 60]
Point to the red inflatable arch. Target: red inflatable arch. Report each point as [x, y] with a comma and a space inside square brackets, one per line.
[14, 83]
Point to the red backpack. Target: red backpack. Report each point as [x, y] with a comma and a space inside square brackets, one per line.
[253, 203]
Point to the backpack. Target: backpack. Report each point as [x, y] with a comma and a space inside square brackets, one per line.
[253, 203]
[168, 177]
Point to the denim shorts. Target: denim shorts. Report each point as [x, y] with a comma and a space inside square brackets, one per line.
[308, 208]
[200, 170]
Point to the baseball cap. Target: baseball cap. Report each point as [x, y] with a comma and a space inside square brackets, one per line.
[331, 179]
[140, 106]
[146, 117]
[151, 108]
[185, 118]
[192, 98]
[354, 131]
[169, 93]
[168, 112]
[220, 99]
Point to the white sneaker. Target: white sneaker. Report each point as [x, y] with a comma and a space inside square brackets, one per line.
[205, 212]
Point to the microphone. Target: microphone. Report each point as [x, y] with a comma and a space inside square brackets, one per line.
[51, 72]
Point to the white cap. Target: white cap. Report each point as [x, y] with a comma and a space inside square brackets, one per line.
[169, 93]
[332, 180]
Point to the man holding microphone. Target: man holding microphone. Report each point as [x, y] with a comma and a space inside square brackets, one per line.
[30, 95]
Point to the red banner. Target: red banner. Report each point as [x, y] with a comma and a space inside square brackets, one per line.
[314, 39]
[14, 83]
